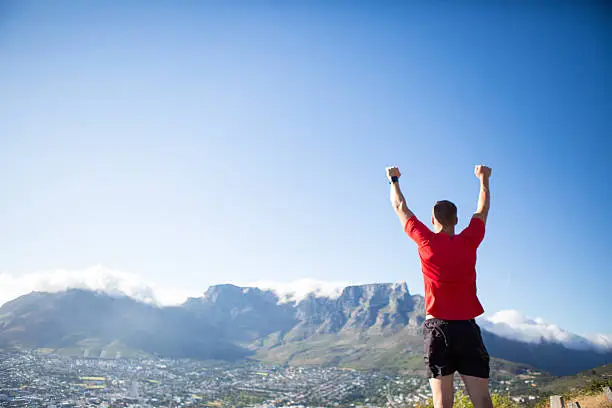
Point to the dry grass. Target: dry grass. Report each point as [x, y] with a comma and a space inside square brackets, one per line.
[589, 401]
[594, 401]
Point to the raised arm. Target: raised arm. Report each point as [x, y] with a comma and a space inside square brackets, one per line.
[484, 198]
[397, 198]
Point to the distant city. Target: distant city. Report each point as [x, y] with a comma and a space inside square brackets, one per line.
[42, 379]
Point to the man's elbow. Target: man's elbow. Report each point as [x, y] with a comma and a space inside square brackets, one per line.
[402, 211]
[482, 215]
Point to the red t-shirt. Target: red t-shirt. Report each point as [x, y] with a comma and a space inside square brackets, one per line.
[449, 269]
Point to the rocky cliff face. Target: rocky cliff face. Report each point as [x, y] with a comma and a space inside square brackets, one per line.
[250, 313]
[375, 307]
[242, 313]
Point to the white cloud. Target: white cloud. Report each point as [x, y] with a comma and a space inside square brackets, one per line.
[299, 289]
[514, 325]
[602, 341]
[114, 282]
[96, 278]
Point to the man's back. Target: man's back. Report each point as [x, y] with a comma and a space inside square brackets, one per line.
[449, 269]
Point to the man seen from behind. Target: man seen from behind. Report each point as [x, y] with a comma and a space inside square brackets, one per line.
[453, 342]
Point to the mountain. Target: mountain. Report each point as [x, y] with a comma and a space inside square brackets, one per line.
[78, 319]
[365, 326]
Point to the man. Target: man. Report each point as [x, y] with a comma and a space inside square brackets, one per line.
[452, 338]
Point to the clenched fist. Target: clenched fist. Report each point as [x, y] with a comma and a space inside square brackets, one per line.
[482, 171]
[393, 172]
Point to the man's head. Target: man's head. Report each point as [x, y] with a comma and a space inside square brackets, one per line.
[444, 215]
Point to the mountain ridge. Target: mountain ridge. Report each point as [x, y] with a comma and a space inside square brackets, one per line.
[365, 326]
[505, 323]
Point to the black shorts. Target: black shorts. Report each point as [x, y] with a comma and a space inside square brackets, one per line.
[454, 345]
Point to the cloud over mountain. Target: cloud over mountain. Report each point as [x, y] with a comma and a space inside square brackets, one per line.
[514, 325]
[95, 278]
[301, 288]
[114, 282]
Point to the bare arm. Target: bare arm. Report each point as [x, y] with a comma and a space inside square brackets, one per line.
[397, 198]
[484, 197]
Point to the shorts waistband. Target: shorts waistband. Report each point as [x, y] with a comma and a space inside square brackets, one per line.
[444, 321]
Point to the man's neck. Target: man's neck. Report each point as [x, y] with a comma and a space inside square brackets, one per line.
[447, 230]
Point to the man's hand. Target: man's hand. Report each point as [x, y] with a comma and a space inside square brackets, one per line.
[482, 171]
[393, 172]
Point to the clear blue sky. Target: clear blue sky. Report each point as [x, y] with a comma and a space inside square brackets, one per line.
[195, 143]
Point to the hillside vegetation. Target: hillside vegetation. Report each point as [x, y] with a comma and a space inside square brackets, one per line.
[463, 401]
[585, 380]
[585, 388]
[590, 397]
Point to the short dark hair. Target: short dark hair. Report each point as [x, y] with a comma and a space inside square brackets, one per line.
[445, 212]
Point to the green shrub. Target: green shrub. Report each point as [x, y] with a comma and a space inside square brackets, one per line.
[463, 401]
[596, 386]
[503, 401]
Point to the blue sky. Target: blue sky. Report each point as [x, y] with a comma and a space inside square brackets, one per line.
[195, 143]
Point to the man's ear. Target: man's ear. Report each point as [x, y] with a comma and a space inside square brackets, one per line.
[456, 220]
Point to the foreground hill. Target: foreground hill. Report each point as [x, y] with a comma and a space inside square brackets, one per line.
[366, 326]
[583, 380]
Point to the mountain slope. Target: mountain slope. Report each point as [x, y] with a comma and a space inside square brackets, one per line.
[79, 319]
